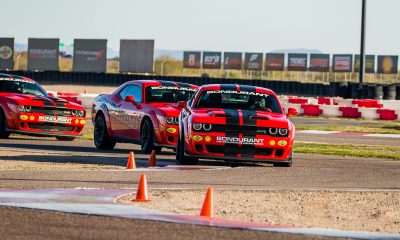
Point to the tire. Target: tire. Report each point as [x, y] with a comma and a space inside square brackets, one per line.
[285, 164]
[3, 133]
[62, 138]
[101, 138]
[181, 159]
[147, 136]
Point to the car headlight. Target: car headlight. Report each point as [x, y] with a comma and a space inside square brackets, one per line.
[207, 126]
[283, 131]
[273, 131]
[197, 126]
[80, 113]
[23, 108]
[200, 126]
[74, 112]
[172, 120]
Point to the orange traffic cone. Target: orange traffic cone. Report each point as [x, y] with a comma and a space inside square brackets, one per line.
[142, 194]
[152, 159]
[131, 161]
[208, 206]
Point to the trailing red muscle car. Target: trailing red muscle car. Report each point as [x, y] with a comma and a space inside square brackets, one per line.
[143, 112]
[27, 109]
[235, 123]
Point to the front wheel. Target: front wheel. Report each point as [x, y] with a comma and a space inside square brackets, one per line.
[101, 138]
[62, 138]
[181, 159]
[3, 133]
[147, 136]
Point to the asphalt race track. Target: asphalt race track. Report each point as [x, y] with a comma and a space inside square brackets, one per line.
[309, 172]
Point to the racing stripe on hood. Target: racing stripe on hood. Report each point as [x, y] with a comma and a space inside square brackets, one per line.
[59, 102]
[47, 102]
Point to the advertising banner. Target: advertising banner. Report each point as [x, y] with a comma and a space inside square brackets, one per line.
[369, 63]
[43, 54]
[212, 60]
[319, 62]
[253, 61]
[342, 62]
[233, 60]
[136, 56]
[191, 59]
[6, 53]
[90, 55]
[297, 62]
[274, 61]
[388, 64]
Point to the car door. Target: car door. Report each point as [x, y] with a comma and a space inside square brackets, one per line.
[128, 114]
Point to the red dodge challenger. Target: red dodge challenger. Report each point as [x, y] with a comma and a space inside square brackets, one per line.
[27, 109]
[235, 123]
[143, 112]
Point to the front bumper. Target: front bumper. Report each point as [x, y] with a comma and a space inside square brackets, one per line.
[48, 125]
[167, 136]
[239, 147]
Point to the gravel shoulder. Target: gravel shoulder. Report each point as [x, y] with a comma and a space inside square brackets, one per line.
[343, 210]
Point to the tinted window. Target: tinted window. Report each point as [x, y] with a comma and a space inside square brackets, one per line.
[22, 87]
[167, 94]
[132, 90]
[238, 100]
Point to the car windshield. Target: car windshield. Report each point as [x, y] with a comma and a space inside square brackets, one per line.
[238, 100]
[168, 94]
[21, 86]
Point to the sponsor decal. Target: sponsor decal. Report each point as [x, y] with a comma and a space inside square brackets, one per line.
[43, 53]
[282, 143]
[31, 118]
[297, 62]
[83, 122]
[212, 60]
[55, 119]
[207, 138]
[253, 61]
[5, 52]
[243, 141]
[171, 130]
[238, 92]
[197, 138]
[191, 59]
[342, 63]
[275, 61]
[387, 64]
[23, 117]
[261, 131]
[272, 142]
[90, 55]
[76, 121]
[17, 80]
[173, 88]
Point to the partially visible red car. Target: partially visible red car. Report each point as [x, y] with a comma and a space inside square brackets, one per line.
[235, 123]
[143, 112]
[26, 108]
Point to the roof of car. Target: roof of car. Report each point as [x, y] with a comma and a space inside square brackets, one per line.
[164, 83]
[234, 87]
[10, 76]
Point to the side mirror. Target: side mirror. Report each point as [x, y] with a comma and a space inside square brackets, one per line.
[130, 99]
[291, 112]
[181, 104]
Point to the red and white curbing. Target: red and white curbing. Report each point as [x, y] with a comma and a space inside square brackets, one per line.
[339, 107]
[377, 135]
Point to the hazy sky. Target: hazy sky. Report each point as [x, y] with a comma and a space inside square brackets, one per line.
[332, 26]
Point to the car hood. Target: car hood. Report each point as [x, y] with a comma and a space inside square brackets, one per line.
[32, 100]
[170, 109]
[245, 117]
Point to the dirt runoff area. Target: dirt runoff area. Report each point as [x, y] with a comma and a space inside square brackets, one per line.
[350, 210]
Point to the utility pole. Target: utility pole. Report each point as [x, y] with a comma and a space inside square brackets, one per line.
[362, 45]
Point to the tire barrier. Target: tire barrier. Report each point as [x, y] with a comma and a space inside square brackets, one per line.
[334, 89]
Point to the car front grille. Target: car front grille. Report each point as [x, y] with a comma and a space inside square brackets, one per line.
[234, 149]
[52, 111]
[51, 127]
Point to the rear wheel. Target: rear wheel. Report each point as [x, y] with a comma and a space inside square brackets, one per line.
[181, 159]
[147, 136]
[62, 138]
[3, 133]
[101, 138]
[285, 164]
